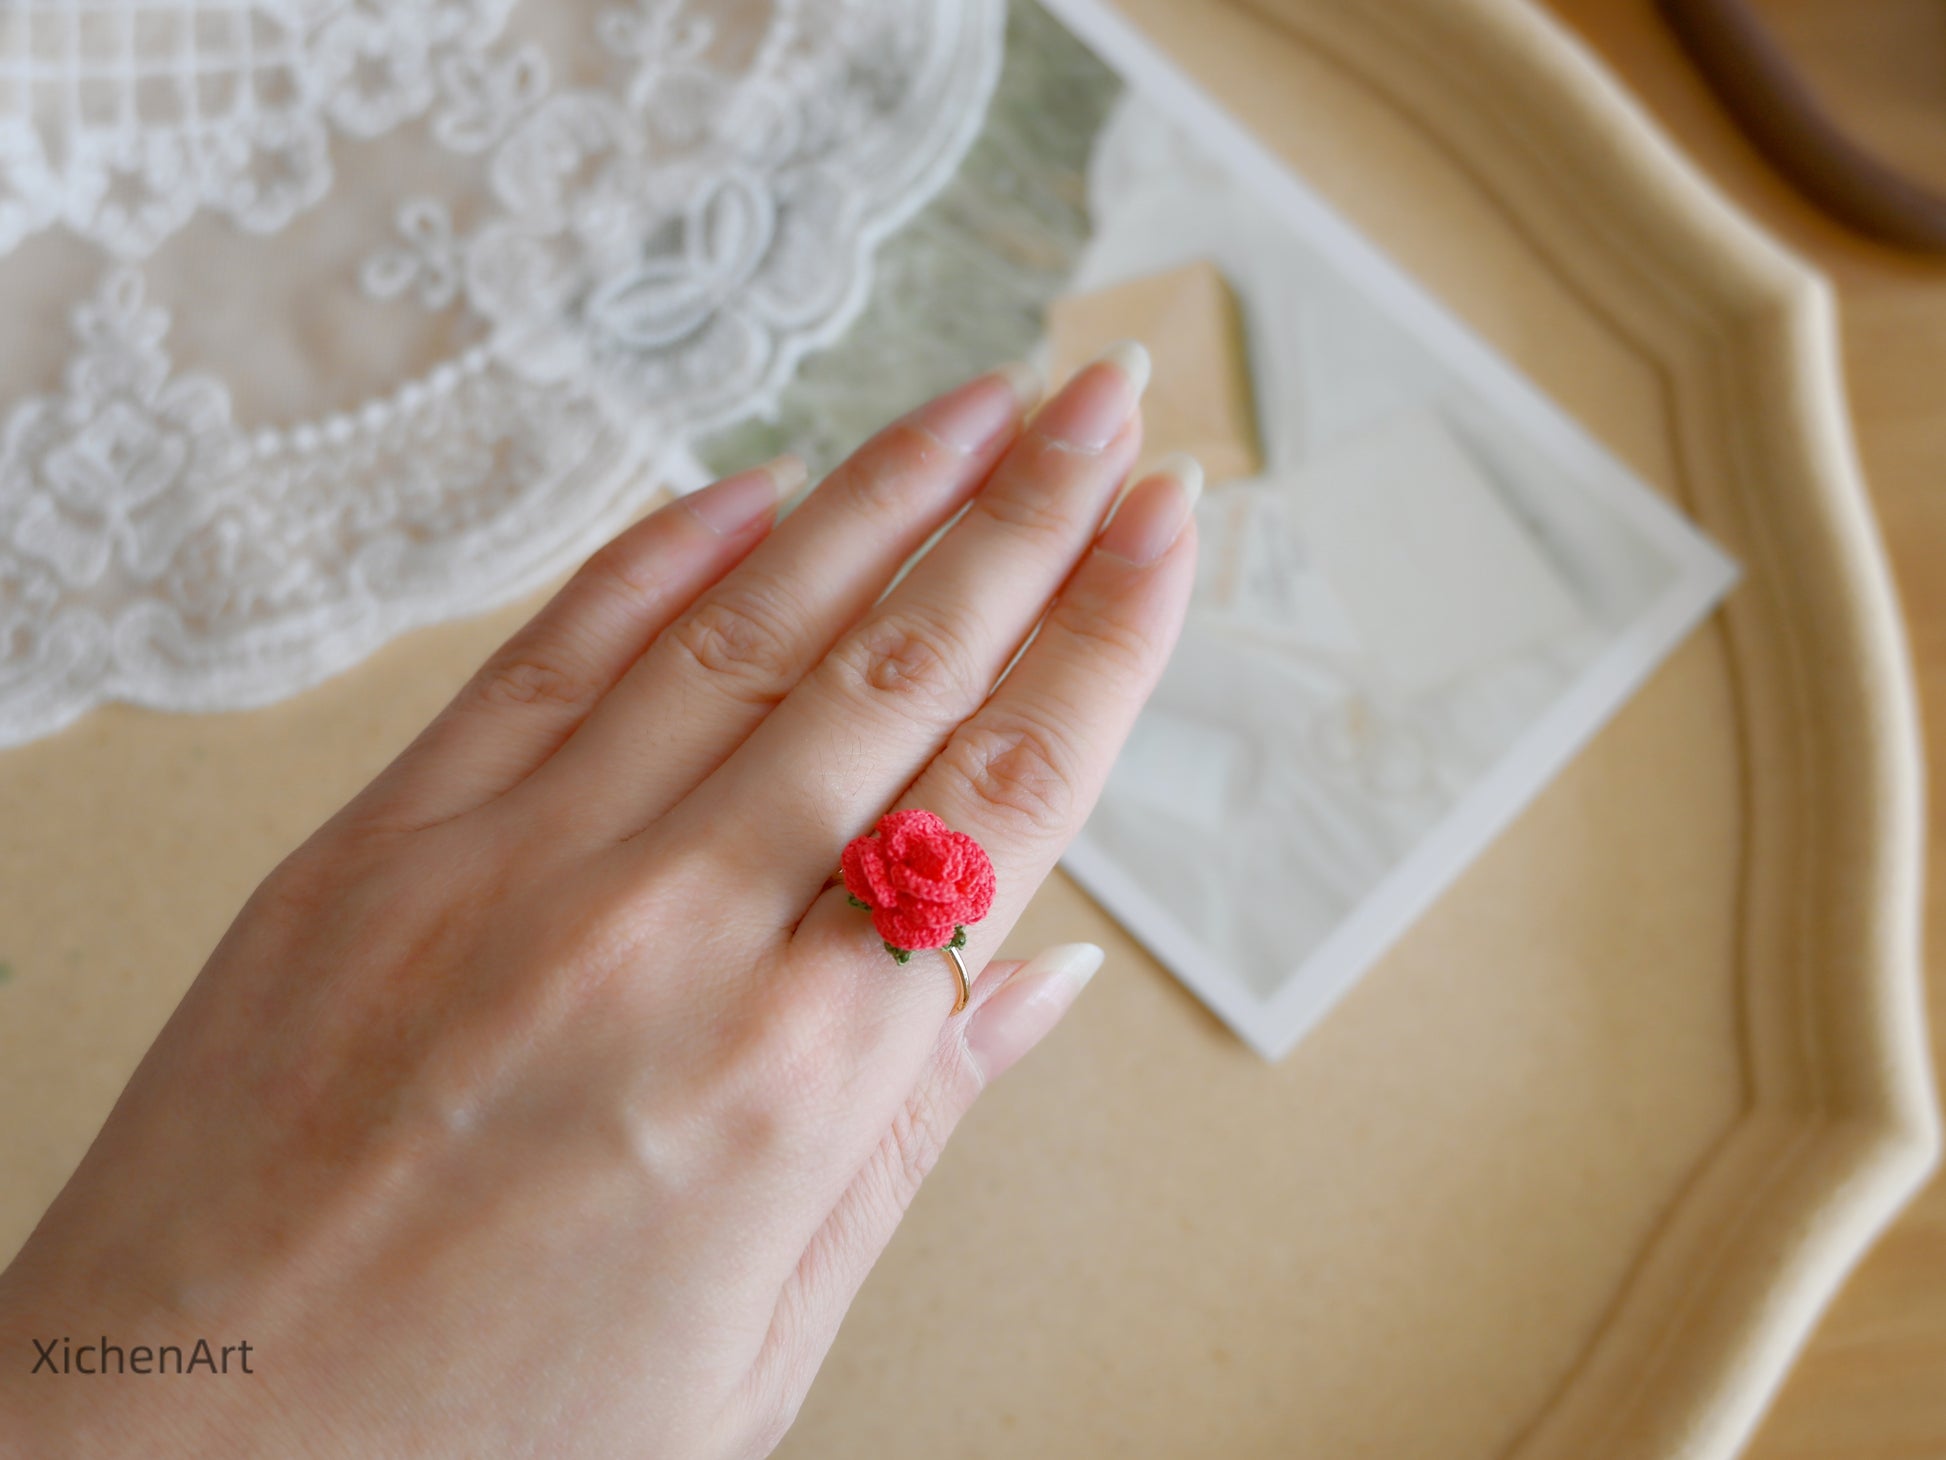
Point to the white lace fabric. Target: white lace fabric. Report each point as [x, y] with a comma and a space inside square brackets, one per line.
[521, 256]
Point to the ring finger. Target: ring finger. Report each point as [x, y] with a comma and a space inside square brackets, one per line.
[1020, 777]
[883, 702]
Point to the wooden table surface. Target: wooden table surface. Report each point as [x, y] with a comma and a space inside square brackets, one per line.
[1872, 1385]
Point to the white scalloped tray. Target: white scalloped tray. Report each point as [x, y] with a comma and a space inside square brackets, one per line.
[1573, 1172]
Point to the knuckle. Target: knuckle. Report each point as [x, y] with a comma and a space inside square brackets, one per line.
[655, 1140]
[622, 567]
[325, 870]
[736, 1093]
[909, 655]
[1028, 504]
[298, 892]
[878, 482]
[1105, 634]
[738, 639]
[524, 677]
[1020, 771]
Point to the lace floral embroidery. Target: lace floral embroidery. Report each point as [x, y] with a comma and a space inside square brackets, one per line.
[641, 257]
[125, 119]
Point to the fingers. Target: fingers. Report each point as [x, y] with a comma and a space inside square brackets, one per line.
[1024, 1010]
[1022, 774]
[882, 703]
[533, 693]
[718, 670]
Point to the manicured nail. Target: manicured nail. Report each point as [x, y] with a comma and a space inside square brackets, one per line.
[1028, 1007]
[983, 410]
[1152, 516]
[1098, 402]
[736, 503]
[1025, 382]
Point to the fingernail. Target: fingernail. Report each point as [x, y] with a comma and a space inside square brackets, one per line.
[735, 504]
[1025, 382]
[1152, 516]
[1098, 402]
[983, 410]
[1026, 1010]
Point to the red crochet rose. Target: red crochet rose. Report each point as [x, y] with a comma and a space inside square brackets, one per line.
[922, 880]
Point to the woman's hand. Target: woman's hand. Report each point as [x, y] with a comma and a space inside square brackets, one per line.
[547, 1101]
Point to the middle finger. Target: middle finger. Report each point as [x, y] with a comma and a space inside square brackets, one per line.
[710, 678]
[856, 730]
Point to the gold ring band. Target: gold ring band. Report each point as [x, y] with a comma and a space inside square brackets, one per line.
[965, 983]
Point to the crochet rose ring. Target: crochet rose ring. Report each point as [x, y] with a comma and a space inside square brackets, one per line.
[923, 883]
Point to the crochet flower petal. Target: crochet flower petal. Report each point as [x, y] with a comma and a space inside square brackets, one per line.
[977, 882]
[898, 829]
[926, 883]
[866, 873]
[913, 928]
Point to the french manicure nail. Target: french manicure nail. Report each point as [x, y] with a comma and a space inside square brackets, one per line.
[1152, 516]
[734, 504]
[1131, 357]
[1098, 402]
[1025, 382]
[1032, 1002]
[982, 410]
